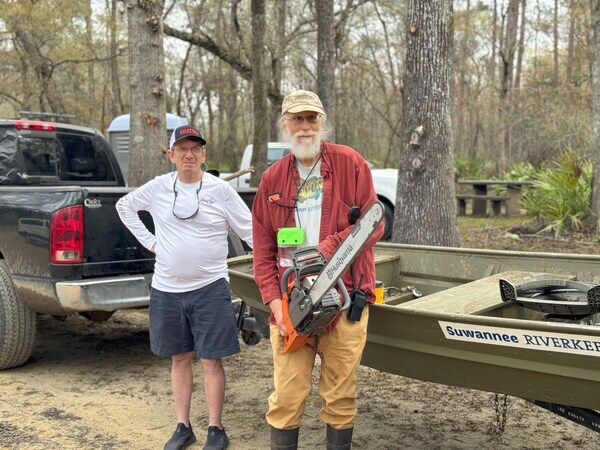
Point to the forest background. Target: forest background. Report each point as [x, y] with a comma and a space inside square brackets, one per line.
[520, 72]
[82, 44]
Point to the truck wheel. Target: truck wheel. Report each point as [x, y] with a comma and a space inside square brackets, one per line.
[17, 324]
[250, 337]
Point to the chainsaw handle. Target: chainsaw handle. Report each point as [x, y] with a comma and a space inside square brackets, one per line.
[308, 260]
[284, 280]
[344, 292]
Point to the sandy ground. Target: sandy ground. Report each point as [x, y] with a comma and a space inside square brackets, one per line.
[97, 386]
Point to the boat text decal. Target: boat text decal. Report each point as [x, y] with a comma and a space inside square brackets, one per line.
[528, 339]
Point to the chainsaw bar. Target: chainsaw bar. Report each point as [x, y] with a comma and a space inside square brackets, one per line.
[347, 252]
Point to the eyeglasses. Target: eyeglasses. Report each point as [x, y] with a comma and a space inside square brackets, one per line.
[298, 120]
[175, 191]
[183, 150]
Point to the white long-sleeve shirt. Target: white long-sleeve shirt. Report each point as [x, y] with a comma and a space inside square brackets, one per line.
[192, 253]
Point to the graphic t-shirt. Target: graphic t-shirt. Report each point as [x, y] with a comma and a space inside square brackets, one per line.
[310, 202]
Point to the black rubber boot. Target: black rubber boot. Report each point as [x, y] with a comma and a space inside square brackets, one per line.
[339, 439]
[284, 439]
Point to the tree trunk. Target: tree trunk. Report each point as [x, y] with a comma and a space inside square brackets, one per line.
[516, 152]
[148, 141]
[210, 129]
[92, 109]
[115, 86]
[492, 133]
[326, 61]
[181, 88]
[277, 64]
[231, 101]
[508, 56]
[571, 43]
[259, 92]
[596, 110]
[231, 110]
[425, 200]
[461, 81]
[521, 46]
[555, 44]
[49, 97]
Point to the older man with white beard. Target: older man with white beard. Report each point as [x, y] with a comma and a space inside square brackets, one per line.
[309, 194]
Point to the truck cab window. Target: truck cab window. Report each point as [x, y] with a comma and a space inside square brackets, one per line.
[86, 159]
[39, 156]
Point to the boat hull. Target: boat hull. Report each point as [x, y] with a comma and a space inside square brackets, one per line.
[415, 346]
[460, 332]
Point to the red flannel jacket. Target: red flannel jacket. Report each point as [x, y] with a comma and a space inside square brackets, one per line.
[347, 182]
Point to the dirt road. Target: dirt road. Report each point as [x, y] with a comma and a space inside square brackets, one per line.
[97, 386]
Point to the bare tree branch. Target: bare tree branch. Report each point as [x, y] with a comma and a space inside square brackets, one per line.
[204, 41]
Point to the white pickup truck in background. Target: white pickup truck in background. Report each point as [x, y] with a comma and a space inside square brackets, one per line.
[385, 180]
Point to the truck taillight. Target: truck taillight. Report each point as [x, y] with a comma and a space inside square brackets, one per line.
[66, 235]
[37, 125]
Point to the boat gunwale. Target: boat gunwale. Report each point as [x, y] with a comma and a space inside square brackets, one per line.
[483, 252]
[507, 322]
[393, 251]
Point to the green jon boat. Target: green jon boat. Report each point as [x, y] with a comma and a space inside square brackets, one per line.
[444, 320]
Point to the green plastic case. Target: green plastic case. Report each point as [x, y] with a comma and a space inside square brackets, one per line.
[290, 236]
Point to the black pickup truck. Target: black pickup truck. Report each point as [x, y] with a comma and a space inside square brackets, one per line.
[63, 249]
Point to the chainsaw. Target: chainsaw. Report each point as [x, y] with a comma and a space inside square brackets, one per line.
[310, 301]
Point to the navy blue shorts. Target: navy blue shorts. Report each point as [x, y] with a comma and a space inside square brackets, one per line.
[202, 319]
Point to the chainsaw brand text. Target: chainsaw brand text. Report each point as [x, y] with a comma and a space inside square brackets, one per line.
[339, 262]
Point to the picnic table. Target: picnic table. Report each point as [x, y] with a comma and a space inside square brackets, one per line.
[480, 196]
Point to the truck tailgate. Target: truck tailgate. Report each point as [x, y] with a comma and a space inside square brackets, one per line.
[109, 247]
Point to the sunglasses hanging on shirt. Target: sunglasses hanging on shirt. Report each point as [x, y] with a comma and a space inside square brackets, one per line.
[175, 191]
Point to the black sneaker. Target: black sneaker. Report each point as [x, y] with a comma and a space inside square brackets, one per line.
[182, 437]
[216, 440]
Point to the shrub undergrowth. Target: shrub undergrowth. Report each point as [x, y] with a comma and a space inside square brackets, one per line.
[560, 196]
[559, 199]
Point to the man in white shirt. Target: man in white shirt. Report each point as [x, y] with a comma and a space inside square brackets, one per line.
[190, 303]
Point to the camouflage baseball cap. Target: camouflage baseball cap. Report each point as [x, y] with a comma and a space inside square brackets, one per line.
[300, 101]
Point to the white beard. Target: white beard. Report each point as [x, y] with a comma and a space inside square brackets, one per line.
[306, 151]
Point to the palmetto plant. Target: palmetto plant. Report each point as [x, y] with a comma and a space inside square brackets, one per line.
[474, 169]
[560, 198]
[522, 171]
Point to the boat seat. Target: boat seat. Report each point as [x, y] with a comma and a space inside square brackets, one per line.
[477, 296]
